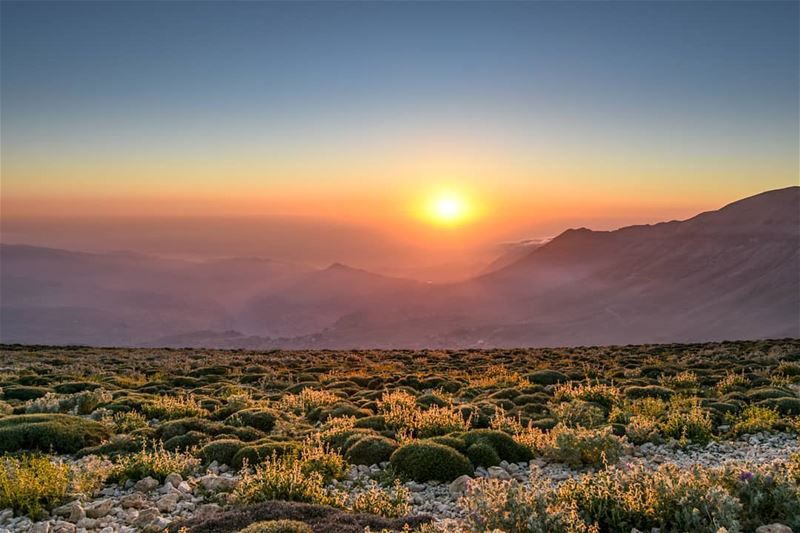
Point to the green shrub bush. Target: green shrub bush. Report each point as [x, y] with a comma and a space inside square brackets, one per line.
[649, 391]
[29, 484]
[57, 432]
[281, 478]
[156, 462]
[190, 439]
[24, 393]
[255, 453]
[222, 451]
[506, 448]
[370, 450]
[260, 419]
[692, 424]
[482, 454]
[426, 461]
[71, 387]
[547, 377]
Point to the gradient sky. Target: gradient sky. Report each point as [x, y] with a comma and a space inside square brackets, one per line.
[540, 113]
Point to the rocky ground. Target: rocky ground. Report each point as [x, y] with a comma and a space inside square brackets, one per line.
[147, 505]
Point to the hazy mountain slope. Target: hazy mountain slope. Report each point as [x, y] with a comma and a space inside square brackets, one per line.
[321, 298]
[55, 296]
[726, 274]
[733, 273]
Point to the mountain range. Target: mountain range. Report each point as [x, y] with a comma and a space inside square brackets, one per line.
[728, 274]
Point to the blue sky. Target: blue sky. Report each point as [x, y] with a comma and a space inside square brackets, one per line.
[650, 99]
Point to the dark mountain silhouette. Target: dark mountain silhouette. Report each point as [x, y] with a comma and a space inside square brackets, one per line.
[733, 273]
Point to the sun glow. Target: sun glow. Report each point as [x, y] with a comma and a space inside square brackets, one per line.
[448, 209]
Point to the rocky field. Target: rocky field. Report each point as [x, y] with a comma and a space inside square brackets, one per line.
[658, 438]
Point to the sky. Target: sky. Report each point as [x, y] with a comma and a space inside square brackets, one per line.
[532, 116]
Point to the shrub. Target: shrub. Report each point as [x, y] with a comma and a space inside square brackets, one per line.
[308, 399]
[785, 406]
[652, 408]
[649, 391]
[278, 526]
[619, 500]
[767, 494]
[497, 376]
[337, 410]
[688, 425]
[125, 422]
[389, 502]
[400, 410]
[607, 396]
[190, 439]
[56, 432]
[79, 403]
[502, 443]
[31, 483]
[261, 419]
[254, 453]
[222, 451]
[786, 368]
[371, 450]
[491, 505]
[119, 444]
[181, 426]
[71, 387]
[767, 393]
[579, 413]
[156, 463]
[376, 422]
[753, 419]
[641, 429]
[436, 421]
[24, 393]
[173, 407]
[482, 454]
[683, 381]
[426, 461]
[317, 458]
[547, 377]
[731, 382]
[576, 447]
[281, 478]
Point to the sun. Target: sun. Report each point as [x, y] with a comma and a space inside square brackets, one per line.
[448, 209]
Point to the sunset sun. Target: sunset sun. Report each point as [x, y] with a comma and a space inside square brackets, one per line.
[448, 209]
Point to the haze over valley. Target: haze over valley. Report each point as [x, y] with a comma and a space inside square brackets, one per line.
[733, 273]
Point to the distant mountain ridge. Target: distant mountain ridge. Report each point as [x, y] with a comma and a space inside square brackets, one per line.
[728, 274]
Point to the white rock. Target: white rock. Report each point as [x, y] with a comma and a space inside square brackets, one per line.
[133, 501]
[214, 483]
[498, 472]
[72, 511]
[207, 511]
[168, 503]
[459, 485]
[99, 508]
[174, 479]
[146, 485]
[774, 528]
[40, 527]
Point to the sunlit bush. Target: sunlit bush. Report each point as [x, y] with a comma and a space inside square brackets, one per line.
[688, 422]
[606, 396]
[281, 478]
[155, 462]
[753, 419]
[173, 407]
[391, 502]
